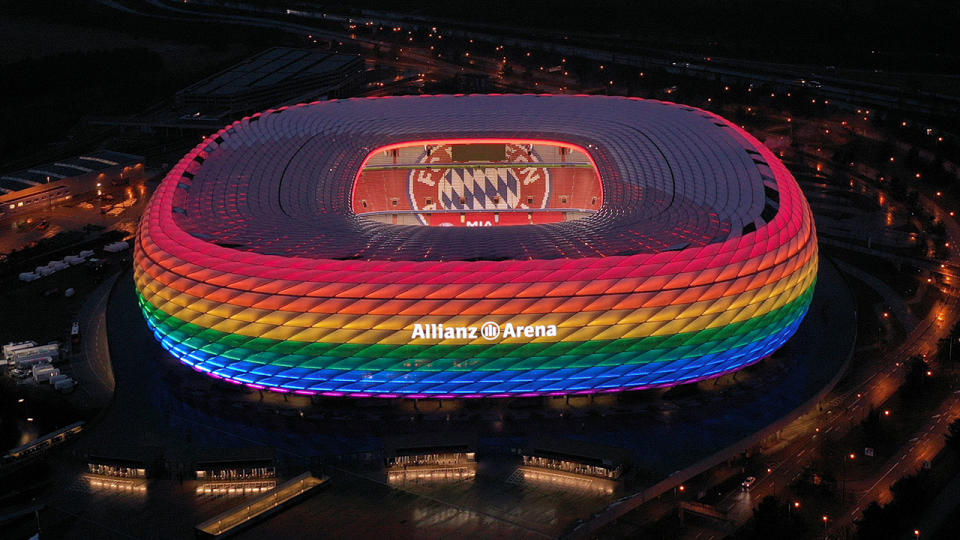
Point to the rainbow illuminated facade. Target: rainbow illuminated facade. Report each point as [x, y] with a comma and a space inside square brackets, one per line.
[253, 267]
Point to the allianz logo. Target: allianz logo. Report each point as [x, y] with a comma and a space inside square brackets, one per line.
[489, 331]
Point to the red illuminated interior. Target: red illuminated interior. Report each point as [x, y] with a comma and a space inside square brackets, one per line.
[477, 182]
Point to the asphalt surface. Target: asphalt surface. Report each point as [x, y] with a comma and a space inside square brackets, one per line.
[91, 368]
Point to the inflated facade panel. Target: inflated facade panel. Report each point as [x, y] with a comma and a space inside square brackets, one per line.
[252, 267]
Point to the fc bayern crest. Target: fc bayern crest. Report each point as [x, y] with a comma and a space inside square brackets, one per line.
[480, 187]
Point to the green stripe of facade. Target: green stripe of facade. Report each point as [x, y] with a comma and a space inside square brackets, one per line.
[553, 355]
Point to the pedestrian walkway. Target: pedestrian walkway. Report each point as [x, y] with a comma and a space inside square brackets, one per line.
[235, 518]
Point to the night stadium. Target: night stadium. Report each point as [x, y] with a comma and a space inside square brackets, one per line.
[476, 246]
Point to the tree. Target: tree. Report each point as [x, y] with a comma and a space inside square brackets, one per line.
[953, 435]
[872, 427]
[877, 523]
[916, 378]
[772, 519]
[909, 499]
[912, 161]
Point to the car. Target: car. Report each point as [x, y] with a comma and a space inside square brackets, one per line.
[748, 483]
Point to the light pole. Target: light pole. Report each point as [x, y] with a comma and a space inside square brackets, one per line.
[825, 519]
[843, 481]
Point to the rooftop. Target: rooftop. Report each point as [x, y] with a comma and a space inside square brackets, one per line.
[270, 68]
[64, 168]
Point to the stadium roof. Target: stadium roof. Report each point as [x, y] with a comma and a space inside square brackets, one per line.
[279, 182]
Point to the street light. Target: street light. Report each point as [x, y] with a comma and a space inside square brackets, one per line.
[26, 409]
[825, 519]
[843, 481]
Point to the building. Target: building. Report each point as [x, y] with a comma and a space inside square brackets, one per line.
[254, 463]
[275, 76]
[39, 446]
[616, 244]
[430, 456]
[576, 457]
[28, 356]
[430, 449]
[50, 184]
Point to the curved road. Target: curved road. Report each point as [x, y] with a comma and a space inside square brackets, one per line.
[92, 368]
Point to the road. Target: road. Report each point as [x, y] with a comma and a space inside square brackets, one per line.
[92, 368]
[844, 411]
[854, 93]
[411, 56]
[841, 413]
[924, 445]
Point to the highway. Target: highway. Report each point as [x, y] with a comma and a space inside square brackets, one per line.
[840, 414]
[843, 412]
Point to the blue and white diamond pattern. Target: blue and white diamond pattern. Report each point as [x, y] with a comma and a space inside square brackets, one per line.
[480, 189]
